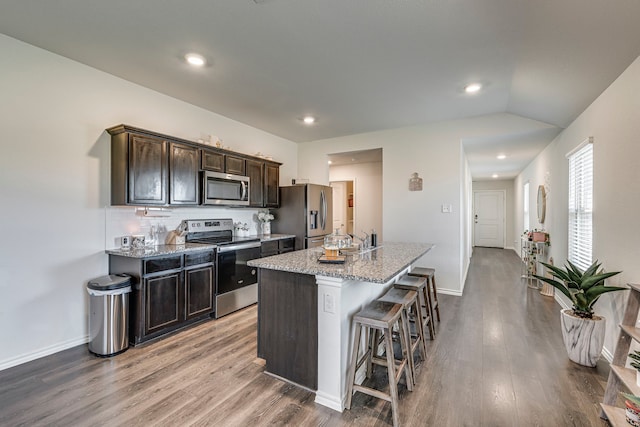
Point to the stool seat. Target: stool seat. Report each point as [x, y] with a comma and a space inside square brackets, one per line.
[430, 275]
[409, 301]
[420, 285]
[380, 316]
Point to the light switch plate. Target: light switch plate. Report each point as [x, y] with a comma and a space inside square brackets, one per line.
[447, 208]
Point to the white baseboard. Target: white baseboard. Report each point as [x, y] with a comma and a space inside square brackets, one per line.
[512, 248]
[449, 292]
[28, 357]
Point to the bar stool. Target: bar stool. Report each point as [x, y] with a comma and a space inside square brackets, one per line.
[409, 301]
[382, 316]
[430, 275]
[419, 284]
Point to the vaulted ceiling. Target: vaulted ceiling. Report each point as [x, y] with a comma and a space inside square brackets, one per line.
[356, 65]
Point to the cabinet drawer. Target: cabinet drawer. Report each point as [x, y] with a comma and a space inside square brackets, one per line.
[204, 257]
[286, 245]
[269, 248]
[160, 264]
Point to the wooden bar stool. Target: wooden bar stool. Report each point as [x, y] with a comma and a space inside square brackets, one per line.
[419, 284]
[380, 316]
[430, 275]
[410, 305]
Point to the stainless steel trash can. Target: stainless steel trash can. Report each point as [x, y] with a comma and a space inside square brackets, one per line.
[109, 314]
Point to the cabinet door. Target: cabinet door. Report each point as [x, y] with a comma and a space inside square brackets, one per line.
[269, 248]
[286, 245]
[183, 174]
[164, 302]
[255, 172]
[271, 182]
[212, 161]
[234, 165]
[147, 170]
[199, 291]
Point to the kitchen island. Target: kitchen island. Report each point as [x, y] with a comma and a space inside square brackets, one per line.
[305, 310]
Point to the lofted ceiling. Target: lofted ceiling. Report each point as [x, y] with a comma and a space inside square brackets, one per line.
[357, 65]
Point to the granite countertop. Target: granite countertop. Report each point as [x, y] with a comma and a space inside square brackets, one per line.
[378, 265]
[159, 250]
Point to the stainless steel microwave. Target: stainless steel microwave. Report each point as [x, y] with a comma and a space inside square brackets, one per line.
[225, 189]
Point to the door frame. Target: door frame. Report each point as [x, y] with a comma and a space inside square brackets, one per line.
[504, 214]
[353, 181]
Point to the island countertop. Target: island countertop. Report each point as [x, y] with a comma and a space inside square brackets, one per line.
[378, 265]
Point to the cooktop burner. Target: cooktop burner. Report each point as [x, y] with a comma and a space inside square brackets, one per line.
[213, 231]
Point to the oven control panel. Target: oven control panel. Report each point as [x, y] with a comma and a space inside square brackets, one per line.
[200, 225]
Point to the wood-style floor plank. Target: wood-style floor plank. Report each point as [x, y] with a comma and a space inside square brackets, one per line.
[497, 360]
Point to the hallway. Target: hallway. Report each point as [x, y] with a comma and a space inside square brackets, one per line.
[498, 360]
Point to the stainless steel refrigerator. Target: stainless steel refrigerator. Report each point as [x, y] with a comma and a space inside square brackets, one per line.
[306, 210]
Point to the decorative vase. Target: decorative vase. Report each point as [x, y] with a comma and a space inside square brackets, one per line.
[266, 228]
[583, 338]
[632, 413]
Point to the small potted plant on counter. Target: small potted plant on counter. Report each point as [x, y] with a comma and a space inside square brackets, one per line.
[582, 331]
[265, 219]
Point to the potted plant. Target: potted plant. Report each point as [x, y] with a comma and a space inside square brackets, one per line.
[582, 331]
[635, 356]
[632, 409]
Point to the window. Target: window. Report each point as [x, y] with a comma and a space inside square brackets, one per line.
[581, 204]
[525, 206]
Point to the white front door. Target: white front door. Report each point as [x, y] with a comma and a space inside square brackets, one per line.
[488, 215]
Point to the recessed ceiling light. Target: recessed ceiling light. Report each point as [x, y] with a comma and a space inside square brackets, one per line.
[329, 161]
[501, 156]
[495, 175]
[309, 120]
[195, 59]
[472, 87]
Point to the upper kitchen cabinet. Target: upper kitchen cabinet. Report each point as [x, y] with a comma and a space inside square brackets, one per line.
[148, 168]
[255, 172]
[184, 167]
[234, 165]
[271, 182]
[212, 161]
[139, 169]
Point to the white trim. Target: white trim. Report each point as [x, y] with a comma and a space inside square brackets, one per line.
[28, 357]
[449, 292]
[504, 215]
[589, 140]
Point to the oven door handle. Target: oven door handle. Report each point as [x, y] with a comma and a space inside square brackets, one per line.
[230, 248]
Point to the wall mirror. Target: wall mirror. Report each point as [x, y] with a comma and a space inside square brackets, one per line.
[542, 204]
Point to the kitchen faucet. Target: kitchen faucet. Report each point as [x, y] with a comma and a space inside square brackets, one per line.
[365, 240]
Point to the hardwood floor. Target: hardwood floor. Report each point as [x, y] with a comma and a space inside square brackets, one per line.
[498, 360]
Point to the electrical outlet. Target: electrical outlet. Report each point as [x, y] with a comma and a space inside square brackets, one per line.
[329, 304]
[125, 242]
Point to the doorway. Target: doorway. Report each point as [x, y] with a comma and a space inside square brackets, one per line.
[343, 206]
[489, 218]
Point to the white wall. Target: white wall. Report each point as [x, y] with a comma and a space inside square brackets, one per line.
[435, 152]
[367, 179]
[54, 175]
[511, 239]
[612, 120]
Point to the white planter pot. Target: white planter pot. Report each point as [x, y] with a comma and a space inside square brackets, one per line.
[583, 338]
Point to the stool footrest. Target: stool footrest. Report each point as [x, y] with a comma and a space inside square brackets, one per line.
[372, 392]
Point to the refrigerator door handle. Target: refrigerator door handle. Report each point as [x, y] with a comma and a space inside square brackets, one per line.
[323, 204]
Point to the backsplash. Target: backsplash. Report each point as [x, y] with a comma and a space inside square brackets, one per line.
[129, 220]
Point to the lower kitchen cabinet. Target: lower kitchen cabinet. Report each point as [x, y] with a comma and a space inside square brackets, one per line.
[276, 247]
[168, 292]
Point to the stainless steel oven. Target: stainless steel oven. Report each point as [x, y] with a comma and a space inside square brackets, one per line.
[225, 189]
[237, 282]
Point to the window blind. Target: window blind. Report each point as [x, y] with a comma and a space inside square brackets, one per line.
[581, 205]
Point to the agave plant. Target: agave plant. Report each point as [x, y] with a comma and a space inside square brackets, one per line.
[635, 356]
[583, 288]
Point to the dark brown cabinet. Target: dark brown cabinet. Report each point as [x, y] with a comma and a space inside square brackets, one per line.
[148, 168]
[255, 172]
[271, 183]
[169, 292]
[276, 247]
[212, 161]
[139, 167]
[234, 165]
[184, 166]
